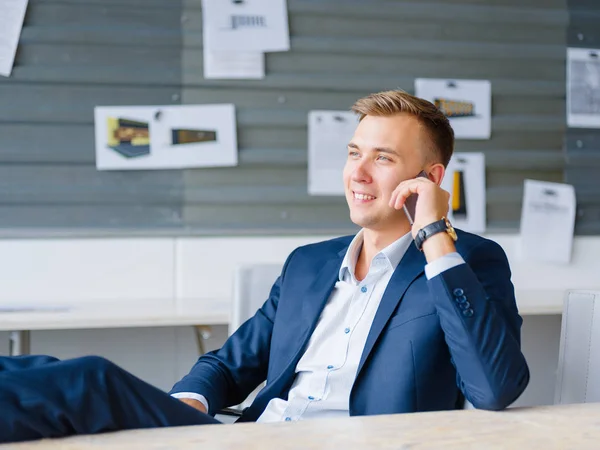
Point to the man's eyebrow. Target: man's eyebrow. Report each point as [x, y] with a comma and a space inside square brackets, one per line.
[376, 149]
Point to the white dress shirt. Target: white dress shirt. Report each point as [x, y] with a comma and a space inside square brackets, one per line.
[326, 371]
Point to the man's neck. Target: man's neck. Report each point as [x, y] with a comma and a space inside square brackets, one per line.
[373, 242]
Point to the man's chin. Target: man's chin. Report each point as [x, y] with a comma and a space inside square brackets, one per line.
[378, 224]
[364, 221]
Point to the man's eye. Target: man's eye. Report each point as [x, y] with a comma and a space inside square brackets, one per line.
[384, 158]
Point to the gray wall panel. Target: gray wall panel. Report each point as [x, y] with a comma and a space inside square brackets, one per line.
[76, 54]
[342, 50]
[46, 143]
[84, 185]
[72, 56]
[291, 218]
[540, 13]
[414, 66]
[47, 218]
[102, 15]
[342, 82]
[73, 104]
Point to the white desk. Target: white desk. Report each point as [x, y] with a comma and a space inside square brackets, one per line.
[551, 427]
[131, 314]
[108, 315]
[539, 302]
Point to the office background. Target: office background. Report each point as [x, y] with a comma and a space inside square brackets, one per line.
[77, 54]
[74, 55]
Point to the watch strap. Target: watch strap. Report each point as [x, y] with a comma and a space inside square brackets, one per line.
[426, 232]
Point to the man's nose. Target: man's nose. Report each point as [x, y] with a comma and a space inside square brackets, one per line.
[361, 172]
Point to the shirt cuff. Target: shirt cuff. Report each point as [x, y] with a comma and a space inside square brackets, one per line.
[193, 396]
[442, 264]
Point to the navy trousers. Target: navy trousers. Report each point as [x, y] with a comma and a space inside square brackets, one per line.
[42, 397]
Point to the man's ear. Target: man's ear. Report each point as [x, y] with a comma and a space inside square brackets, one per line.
[436, 173]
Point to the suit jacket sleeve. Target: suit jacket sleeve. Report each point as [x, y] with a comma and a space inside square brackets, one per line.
[228, 375]
[478, 313]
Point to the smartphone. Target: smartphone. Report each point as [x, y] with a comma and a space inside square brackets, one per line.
[410, 204]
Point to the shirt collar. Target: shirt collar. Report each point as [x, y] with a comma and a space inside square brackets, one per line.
[390, 255]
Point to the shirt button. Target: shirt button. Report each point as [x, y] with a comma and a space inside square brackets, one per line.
[288, 419]
[346, 330]
[330, 367]
[310, 397]
[363, 289]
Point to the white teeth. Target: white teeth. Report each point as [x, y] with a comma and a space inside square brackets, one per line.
[363, 196]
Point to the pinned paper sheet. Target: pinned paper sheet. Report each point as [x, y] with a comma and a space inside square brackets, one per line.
[466, 103]
[245, 25]
[547, 221]
[465, 180]
[583, 88]
[165, 137]
[231, 65]
[329, 133]
[12, 13]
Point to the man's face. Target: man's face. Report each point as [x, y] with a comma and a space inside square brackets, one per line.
[383, 152]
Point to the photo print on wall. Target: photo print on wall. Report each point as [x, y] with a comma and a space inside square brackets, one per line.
[165, 137]
[467, 103]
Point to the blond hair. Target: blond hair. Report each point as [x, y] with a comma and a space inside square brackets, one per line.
[437, 125]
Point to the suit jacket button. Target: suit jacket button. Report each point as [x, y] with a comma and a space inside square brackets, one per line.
[468, 312]
[458, 292]
[465, 306]
[461, 299]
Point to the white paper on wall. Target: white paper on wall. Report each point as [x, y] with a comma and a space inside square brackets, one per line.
[329, 133]
[165, 137]
[583, 88]
[465, 180]
[12, 13]
[467, 104]
[245, 25]
[232, 65]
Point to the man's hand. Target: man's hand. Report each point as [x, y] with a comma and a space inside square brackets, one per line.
[432, 204]
[194, 404]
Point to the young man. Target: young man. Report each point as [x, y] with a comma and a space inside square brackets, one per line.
[398, 318]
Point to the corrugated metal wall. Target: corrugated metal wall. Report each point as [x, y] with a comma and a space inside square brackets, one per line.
[582, 146]
[72, 56]
[76, 54]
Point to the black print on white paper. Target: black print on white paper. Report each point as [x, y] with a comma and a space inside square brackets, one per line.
[585, 87]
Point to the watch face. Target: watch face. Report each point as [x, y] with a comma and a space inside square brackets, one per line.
[450, 230]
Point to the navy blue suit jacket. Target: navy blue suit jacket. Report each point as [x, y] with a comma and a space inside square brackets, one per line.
[431, 342]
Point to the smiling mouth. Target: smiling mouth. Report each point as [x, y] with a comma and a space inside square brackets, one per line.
[362, 197]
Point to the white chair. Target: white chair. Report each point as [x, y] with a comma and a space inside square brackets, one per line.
[252, 284]
[251, 287]
[578, 376]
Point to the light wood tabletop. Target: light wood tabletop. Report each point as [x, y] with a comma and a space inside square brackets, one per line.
[548, 427]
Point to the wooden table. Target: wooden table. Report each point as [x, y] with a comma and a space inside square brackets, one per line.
[107, 315]
[547, 428]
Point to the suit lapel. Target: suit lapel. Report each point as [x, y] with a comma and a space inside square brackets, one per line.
[313, 301]
[319, 291]
[410, 267]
